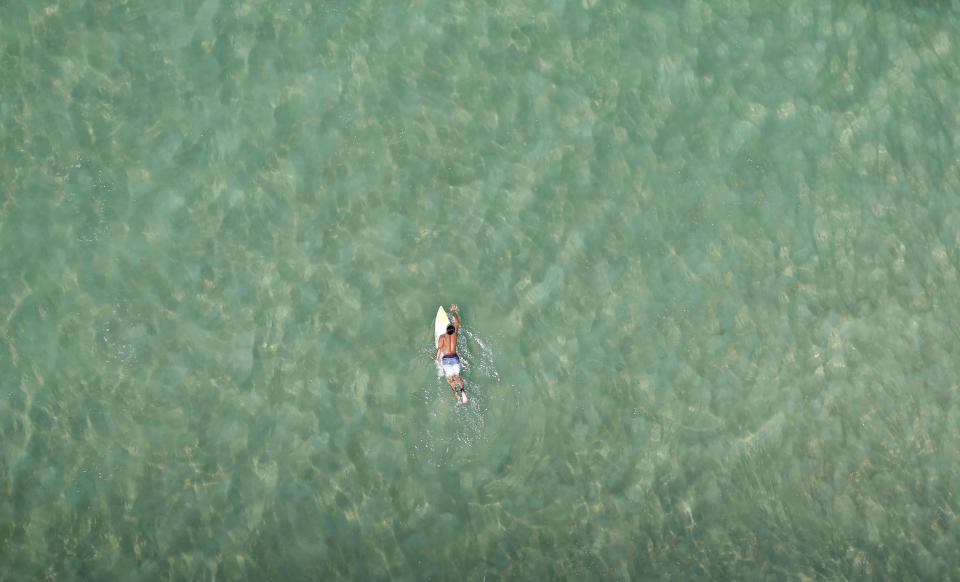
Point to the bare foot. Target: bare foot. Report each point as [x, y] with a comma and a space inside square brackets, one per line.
[465, 399]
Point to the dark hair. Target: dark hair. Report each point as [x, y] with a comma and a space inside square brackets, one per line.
[451, 329]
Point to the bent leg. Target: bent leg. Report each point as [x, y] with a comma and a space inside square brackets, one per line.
[463, 398]
[450, 380]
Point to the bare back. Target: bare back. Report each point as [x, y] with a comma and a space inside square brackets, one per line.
[447, 344]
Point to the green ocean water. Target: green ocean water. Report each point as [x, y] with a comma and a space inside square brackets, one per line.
[706, 255]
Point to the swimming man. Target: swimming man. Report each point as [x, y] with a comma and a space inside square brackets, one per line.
[447, 344]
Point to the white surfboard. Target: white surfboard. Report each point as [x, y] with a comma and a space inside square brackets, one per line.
[440, 326]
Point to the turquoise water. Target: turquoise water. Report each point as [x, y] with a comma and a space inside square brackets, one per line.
[706, 254]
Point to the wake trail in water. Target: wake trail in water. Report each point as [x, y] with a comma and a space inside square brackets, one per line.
[466, 426]
[484, 359]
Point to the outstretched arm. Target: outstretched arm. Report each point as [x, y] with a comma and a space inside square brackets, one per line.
[456, 316]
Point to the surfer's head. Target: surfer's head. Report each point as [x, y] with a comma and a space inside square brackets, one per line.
[451, 329]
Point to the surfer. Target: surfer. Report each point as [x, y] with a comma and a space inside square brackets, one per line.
[447, 345]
